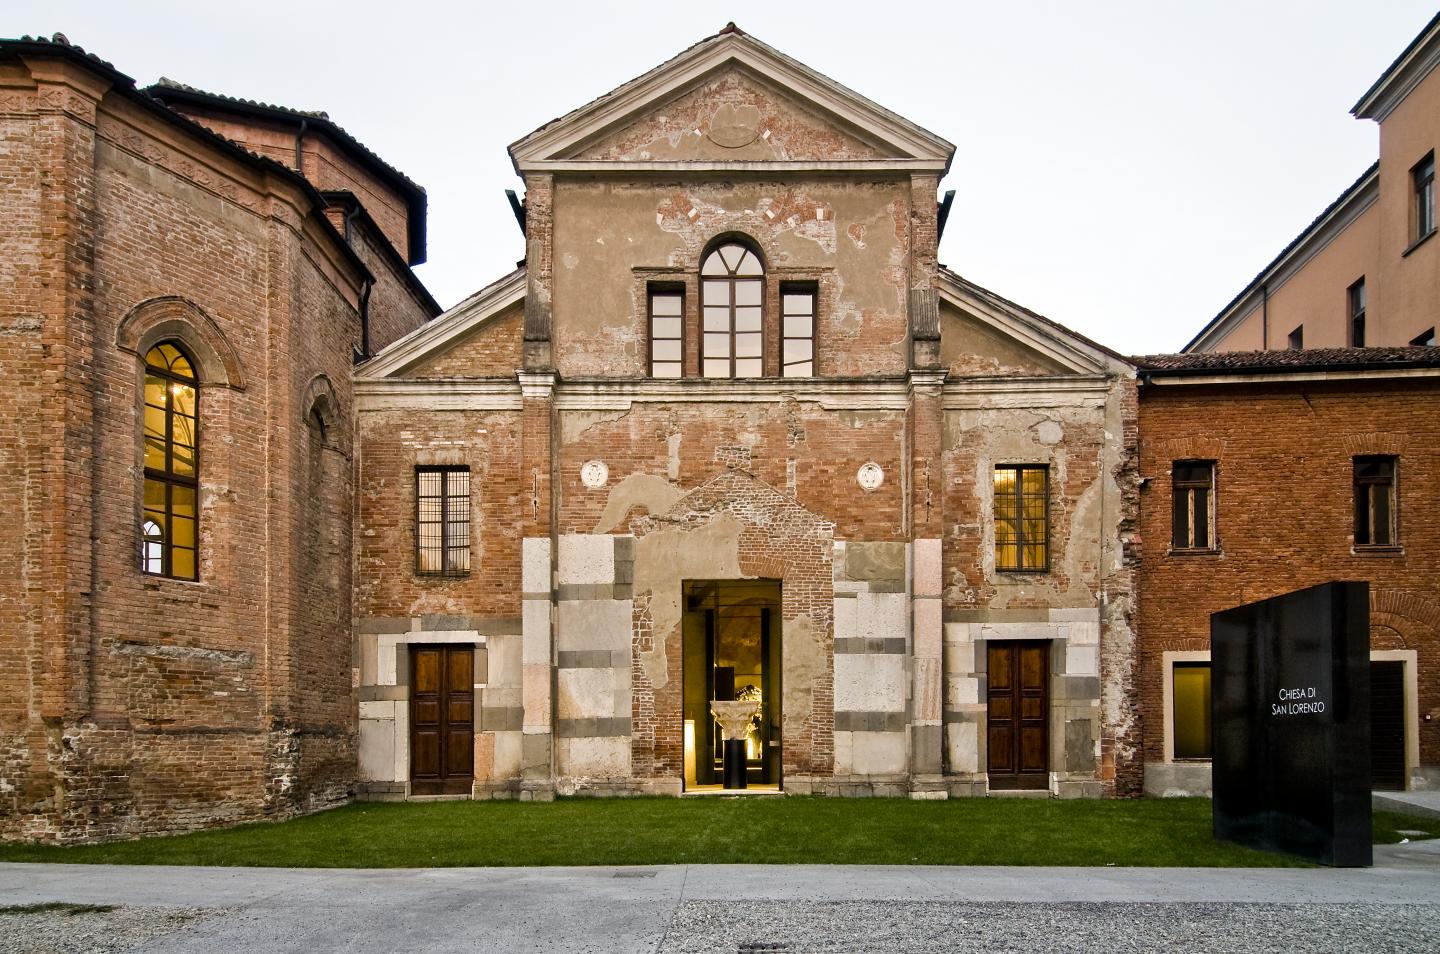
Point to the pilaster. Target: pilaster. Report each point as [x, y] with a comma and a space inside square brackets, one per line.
[539, 256]
[538, 554]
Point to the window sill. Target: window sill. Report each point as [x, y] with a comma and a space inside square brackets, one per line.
[1418, 242]
[1018, 576]
[1194, 551]
[1379, 551]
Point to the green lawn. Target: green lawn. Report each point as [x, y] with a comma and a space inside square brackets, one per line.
[649, 831]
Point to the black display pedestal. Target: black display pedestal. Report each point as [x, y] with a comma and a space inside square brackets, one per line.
[1290, 705]
[735, 763]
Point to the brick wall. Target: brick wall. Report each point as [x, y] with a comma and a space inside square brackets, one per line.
[1284, 518]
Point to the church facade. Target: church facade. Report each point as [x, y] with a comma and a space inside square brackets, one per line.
[730, 439]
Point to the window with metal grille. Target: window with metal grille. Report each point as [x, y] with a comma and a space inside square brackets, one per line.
[1375, 501]
[169, 523]
[1423, 177]
[1192, 485]
[1190, 715]
[1355, 296]
[667, 331]
[1022, 517]
[442, 521]
[797, 320]
[732, 292]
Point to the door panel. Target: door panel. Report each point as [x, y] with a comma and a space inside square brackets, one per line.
[442, 720]
[1018, 714]
[1387, 726]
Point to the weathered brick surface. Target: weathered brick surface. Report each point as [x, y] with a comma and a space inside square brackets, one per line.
[492, 351]
[1285, 516]
[130, 703]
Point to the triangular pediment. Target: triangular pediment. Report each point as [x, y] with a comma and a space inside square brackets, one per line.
[731, 98]
[982, 333]
[487, 312]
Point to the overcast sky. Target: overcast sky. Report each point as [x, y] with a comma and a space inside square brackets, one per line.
[1123, 168]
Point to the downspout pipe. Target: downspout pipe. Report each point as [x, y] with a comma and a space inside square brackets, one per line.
[1264, 316]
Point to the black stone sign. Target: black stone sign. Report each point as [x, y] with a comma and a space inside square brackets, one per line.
[1290, 710]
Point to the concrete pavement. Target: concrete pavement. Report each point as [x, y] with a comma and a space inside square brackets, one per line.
[686, 907]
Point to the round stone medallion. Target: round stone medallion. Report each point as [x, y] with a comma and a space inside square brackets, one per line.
[870, 476]
[594, 473]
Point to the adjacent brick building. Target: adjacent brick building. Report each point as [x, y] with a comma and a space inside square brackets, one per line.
[216, 688]
[1311, 466]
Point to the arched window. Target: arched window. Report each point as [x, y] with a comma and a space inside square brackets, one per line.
[732, 289]
[169, 531]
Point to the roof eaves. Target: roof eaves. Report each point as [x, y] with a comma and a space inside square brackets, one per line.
[1265, 274]
[412, 281]
[124, 85]
[169, 90]
[1365, 106]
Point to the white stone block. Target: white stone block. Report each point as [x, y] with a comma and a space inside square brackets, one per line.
[377, 750]
[595, 624]
[877, 753]
[585, 693]
[882, 615]
[401, 743]
[535, 565]
[504, 659]
[1077, 615]
[962, 691]
[842, 753]
[535, 622]
[1082, 660]
[870, 683]
[1085, 634]
[962, 739]
[587, 558]
[928, 627]
[845, 623]
[508, 749]
[377, 710]
[607, 757]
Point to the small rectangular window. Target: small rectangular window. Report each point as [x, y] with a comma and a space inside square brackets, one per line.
[1022, 517]
[1193, 510]
[667, 332]
[1355, 296]
[1423, 177]
[442, 521]
[1297, 339]
[1374, 501]
[1425, 339]
[797, 319]
[1190, 699]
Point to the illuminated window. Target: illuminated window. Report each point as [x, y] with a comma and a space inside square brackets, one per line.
[442, 521]
[1190, 698]
[1022, 517]
[1193, 512]
[667, 332]
[1374, 501]
[169, 526]
[797, 320]
[732, 289]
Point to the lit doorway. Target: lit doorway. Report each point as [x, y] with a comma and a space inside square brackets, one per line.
[731, 653]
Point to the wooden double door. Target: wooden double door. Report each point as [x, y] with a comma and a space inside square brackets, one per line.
[1017, 706]
[442, 720]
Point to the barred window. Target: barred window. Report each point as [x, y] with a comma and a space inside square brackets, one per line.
[1192, 486]
[442, 521]
[797, 307]
[1374, 501]
[1022, 517]
[169, 522]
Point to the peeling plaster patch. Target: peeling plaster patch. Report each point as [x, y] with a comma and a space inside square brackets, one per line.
[672, 464]
[856, 232]
[570, 260]
[664, 559]
[574, 424]
[647, 491]
[1049, 432]
[802, 663]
